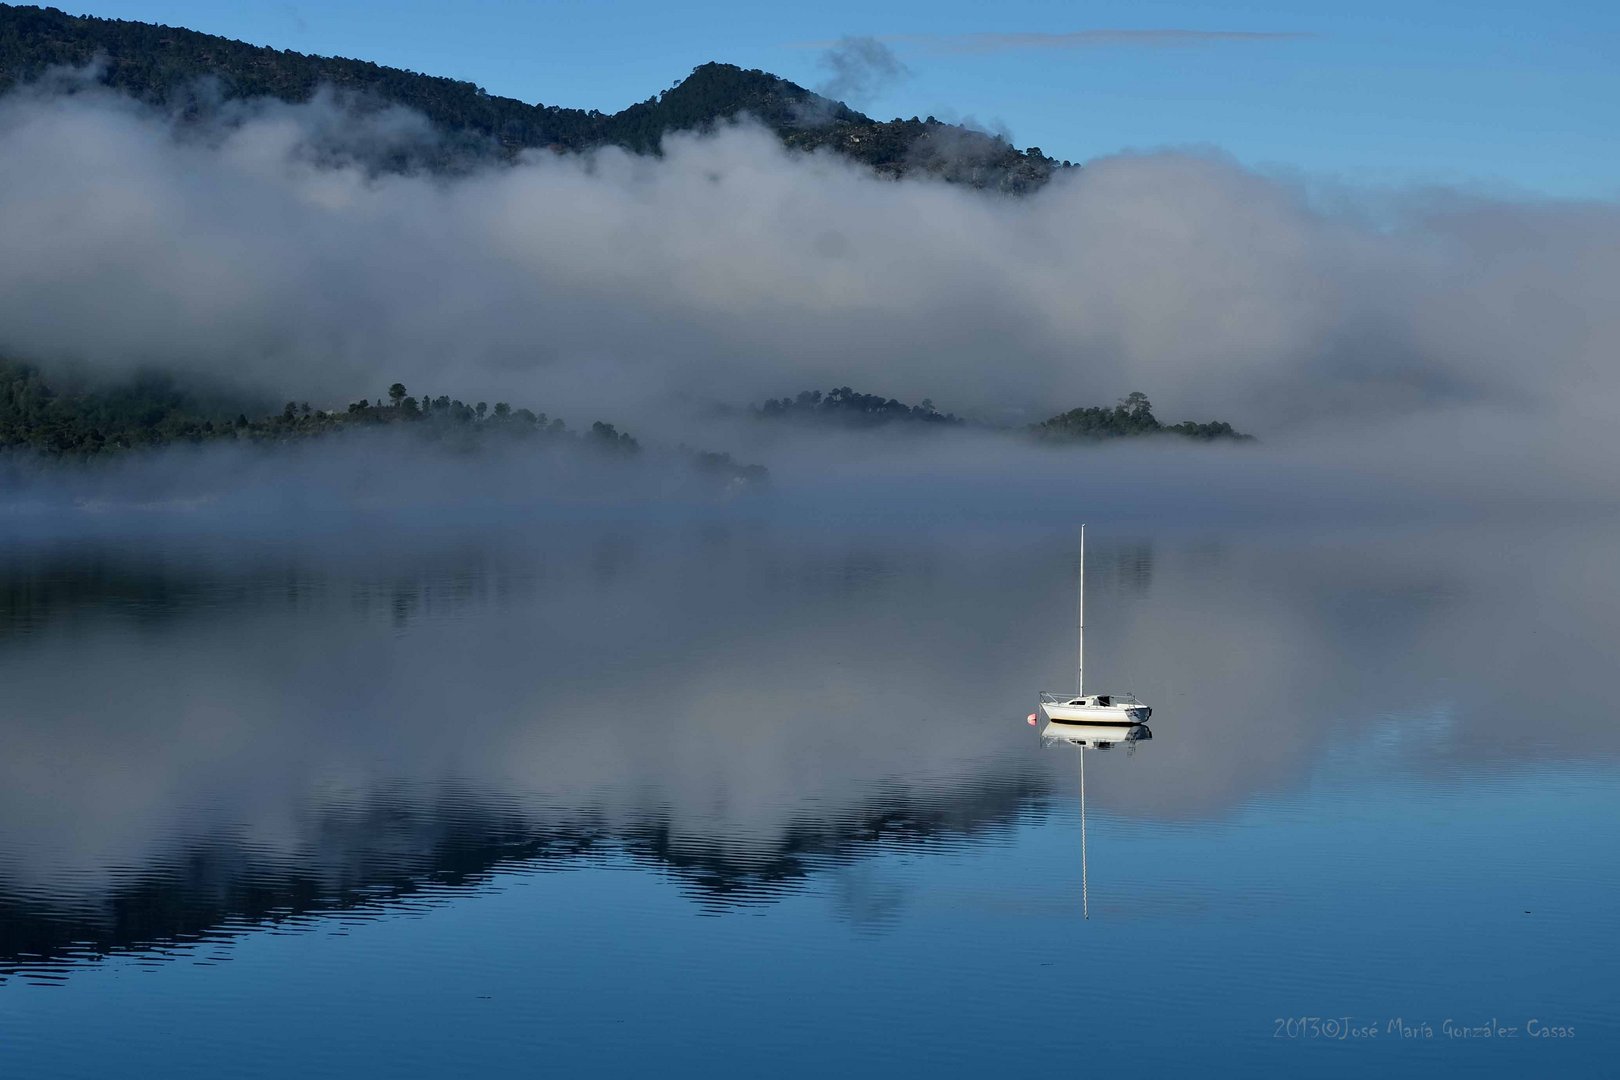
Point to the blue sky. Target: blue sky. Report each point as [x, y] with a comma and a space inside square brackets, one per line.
[1497, 96]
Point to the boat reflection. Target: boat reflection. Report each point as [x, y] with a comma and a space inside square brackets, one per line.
[1095, 736]
[1091, 737]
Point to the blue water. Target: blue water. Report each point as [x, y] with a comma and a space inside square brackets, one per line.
[765, 804]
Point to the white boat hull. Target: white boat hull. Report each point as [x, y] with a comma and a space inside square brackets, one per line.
[1096, 714]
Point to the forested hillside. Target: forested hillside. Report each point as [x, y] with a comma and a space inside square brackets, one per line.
[847, 408]
[43, 419]
[180, 69]
[1132, 417]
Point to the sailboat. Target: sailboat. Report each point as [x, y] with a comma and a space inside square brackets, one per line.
[1080, 707]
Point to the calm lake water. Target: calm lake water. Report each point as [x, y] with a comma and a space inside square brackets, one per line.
[742, 797]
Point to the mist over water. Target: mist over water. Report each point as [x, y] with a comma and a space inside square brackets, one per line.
[214, 737]
[574, 757]
[735, 683]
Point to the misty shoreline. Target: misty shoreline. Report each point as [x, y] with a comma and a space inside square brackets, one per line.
[1377, 341]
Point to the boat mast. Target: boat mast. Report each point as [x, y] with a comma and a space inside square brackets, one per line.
[1080, 667]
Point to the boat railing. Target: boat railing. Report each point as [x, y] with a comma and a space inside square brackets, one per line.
[1048, 697]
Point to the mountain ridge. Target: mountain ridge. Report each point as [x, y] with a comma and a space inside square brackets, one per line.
[165, 66]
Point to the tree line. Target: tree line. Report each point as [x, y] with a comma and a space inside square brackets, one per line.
[1131, 417]
[849, 408]
[148, 411]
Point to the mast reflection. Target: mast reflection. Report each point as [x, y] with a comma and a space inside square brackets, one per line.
[1084, 737]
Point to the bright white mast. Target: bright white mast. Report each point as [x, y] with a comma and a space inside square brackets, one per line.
[1080, 667]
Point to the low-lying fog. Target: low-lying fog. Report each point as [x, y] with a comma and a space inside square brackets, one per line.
[1443, 344]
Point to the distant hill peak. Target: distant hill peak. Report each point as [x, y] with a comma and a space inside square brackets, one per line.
[162, 65]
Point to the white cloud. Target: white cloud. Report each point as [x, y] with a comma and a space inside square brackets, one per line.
[731, 269]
